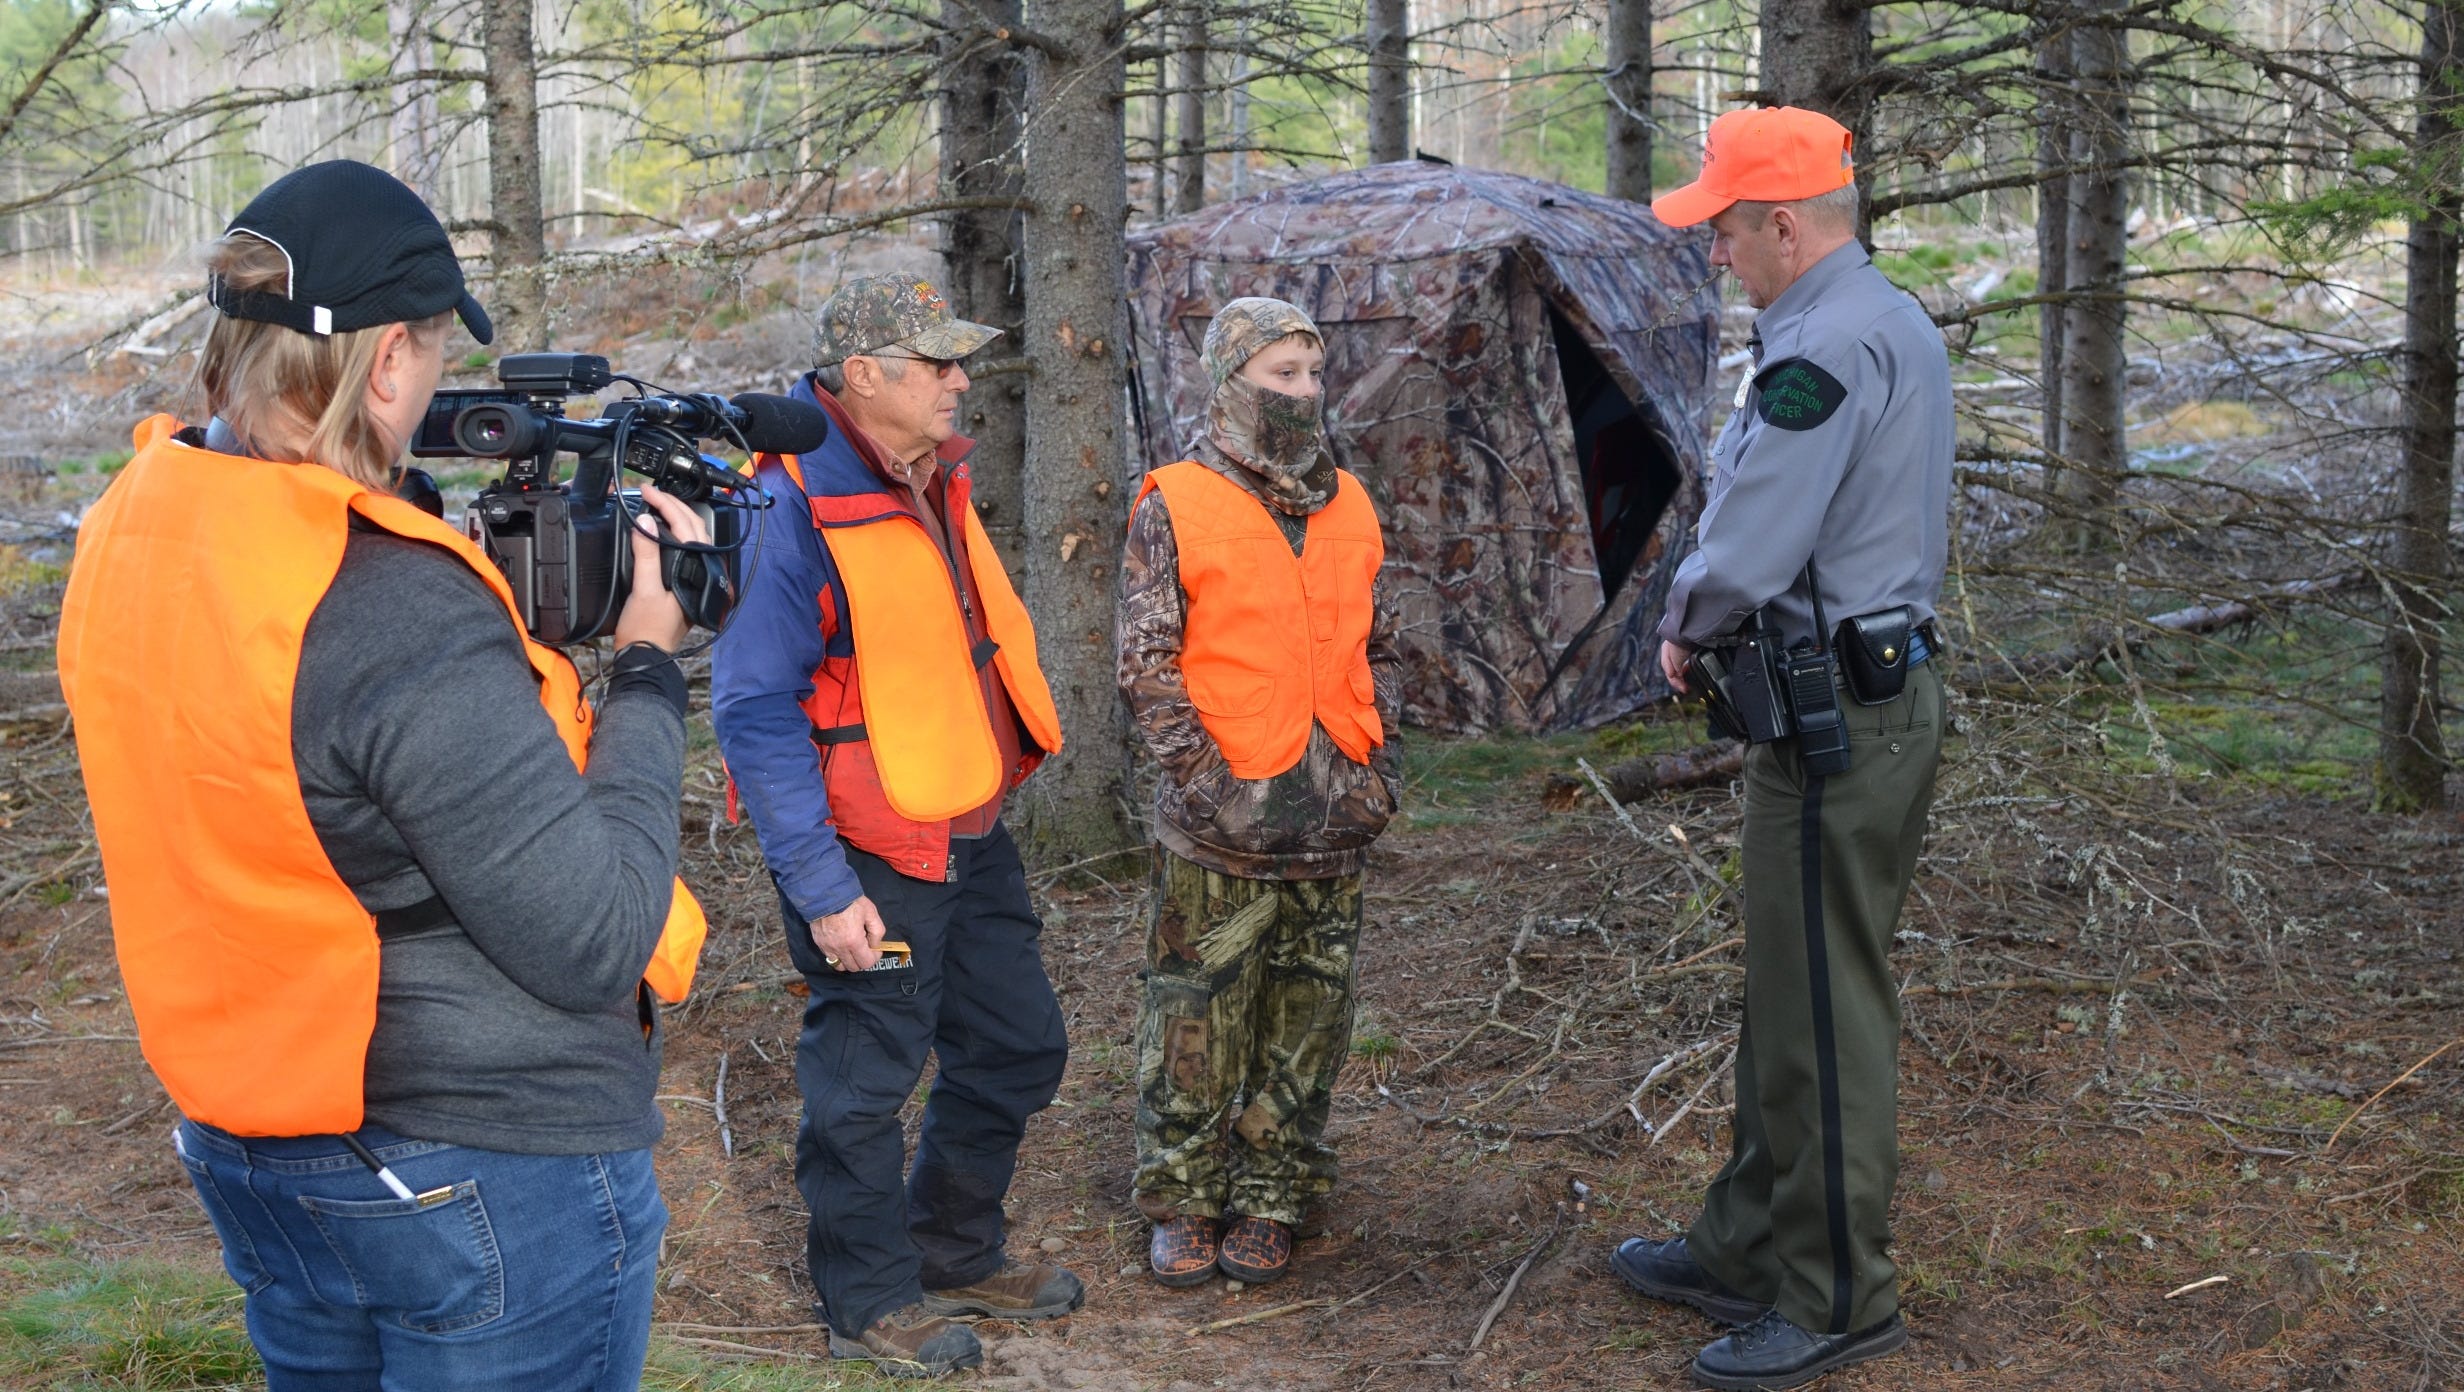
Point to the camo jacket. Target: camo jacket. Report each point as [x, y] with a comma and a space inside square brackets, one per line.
[1313, 821]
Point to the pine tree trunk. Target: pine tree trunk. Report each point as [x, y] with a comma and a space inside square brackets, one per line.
[2053, 123]
[1238, 115]
[2412, 769]
[519, 250]
[1629, 100]
[984, 90]
[1818, 54]
[1191, 195]
[1076, 510]
[413, 127]
[1160, 111]
[1390, 81]
[2094, 359]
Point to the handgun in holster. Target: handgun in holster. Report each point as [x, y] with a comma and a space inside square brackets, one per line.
[1759, 692]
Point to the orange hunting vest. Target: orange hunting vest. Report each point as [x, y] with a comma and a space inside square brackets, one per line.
[1256, 672]
[932, 741]
[250, 965]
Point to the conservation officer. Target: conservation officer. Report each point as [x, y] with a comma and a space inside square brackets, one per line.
[877, 698]
[1834, 470]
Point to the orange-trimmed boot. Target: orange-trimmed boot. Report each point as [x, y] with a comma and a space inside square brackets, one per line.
[1182, 1252]
[1255, 1250]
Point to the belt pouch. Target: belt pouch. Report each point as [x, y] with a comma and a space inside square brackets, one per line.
[1873, 650]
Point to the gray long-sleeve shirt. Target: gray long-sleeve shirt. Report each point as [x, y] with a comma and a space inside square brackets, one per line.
[429, 770]
[1839, 450]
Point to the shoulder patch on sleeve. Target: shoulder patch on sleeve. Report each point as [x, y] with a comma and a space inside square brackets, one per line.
[1796, 394]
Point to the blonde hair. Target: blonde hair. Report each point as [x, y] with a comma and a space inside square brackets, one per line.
[268, 382]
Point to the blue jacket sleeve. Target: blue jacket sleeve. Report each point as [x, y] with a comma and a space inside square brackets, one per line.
[760, 670]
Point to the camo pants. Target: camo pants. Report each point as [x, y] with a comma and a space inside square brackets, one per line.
[1246, 1021]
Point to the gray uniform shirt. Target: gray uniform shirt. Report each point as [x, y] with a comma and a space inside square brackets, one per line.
[1839, 450]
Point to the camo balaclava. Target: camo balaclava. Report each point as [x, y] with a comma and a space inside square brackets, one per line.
[1278, 440]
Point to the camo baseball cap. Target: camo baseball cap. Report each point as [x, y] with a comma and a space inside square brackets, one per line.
[875, 312]
[1246, 327]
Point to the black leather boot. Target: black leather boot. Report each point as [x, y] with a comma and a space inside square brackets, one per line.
[1667, 1271]
[1775, 1352]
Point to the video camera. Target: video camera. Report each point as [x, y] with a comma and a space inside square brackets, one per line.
[563, 546]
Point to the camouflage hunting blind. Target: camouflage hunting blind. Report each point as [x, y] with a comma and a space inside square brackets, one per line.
[1518, 370]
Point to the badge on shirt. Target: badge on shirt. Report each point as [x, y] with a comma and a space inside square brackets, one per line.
[1796, 395]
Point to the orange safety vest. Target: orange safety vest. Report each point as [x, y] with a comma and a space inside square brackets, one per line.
[251, 967]
[1257, 676]
[932, 741]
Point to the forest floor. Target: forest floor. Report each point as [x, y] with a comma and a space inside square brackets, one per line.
[2174, 1111]
[2140, 1041]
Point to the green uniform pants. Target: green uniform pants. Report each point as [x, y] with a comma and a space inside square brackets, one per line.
[1800, 1216]
[1248, 996]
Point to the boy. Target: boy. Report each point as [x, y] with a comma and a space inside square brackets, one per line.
[1259, 664]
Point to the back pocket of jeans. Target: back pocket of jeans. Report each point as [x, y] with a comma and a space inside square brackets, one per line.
[434, 1270]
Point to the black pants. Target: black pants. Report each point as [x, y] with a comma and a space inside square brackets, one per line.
[978, 998]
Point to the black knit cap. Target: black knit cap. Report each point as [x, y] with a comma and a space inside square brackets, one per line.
[363, 249]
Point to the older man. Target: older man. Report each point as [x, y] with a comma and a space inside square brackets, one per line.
[876, 697]
[1829, 503]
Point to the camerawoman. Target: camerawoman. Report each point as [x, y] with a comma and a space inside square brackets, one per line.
[407, 1014]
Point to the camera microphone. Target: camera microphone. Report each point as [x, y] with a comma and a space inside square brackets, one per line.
[763, 424]
[780, 424]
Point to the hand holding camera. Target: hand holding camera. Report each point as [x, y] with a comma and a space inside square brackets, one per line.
[651, 613]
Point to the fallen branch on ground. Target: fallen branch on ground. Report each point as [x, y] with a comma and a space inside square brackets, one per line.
[2196, 619]
[1255, 1316]
[68, 1039]
[1637, 779]
[746, 1350]
[1043, 877]
[1666, 1067]
[2382, 1092]
[1610, 798]
[1498, 1306]
[2073, 986]
[1328, 1303]
[1680, 1114]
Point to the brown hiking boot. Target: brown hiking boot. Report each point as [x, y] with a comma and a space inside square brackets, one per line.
[1015, 1292]
[1255, 1250]
[1182, 1252]
[912, 1342]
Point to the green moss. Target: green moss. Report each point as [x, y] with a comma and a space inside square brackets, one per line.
[67, 1322]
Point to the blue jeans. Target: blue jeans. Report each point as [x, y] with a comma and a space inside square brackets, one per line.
[535, 1273]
